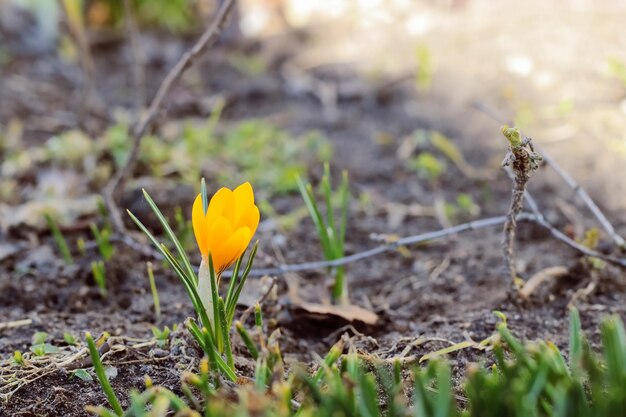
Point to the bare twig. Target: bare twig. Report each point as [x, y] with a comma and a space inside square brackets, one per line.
[76, 28]
[146, 122]
[540, 219]
[522, 160]
[580, 192]
[260, 301]
[137, 61]
[16, 323]
[410, 240]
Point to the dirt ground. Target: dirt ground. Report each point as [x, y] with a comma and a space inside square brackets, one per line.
[444, 291]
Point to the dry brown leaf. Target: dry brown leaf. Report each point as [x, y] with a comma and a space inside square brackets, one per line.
[350, 313]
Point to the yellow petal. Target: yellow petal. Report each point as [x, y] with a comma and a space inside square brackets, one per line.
[250, 220]
[218, 232]
[229, 251]
[200, 229]
[244, 199]
[222, 204]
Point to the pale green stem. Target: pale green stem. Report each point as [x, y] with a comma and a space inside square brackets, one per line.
[204, 289]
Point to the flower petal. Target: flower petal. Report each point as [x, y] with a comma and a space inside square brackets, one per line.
[221, 204]
[244, 199]
[218, 232]
[230, 250]
[200, 229]
[251, 219]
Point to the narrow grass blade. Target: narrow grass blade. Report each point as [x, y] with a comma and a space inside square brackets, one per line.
[172, 236]
[104, 382]
[328, 195]
[575, 341]
[225, 333]
[205, 198]
[234, 278]
[344, 201]
[59, 239]
[309, 200]
[230, 309]
[247, 340]
[368, 401]
[154, 291]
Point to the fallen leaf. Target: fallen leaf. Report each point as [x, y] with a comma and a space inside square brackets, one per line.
[350, 313]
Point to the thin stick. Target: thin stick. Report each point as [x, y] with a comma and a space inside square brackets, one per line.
[578, 190]
[146, 122]
[137, 59]
[410, 240]
[16, 323]
[520, 161]
[540, 219]
[424, 237]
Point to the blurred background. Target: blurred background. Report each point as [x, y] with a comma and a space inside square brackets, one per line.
[558, 69]
[70, 71]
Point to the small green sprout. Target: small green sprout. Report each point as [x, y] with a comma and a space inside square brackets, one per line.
[59, 239]
[18, 359]
[247, 340]
[82, 374]
[39, 338]
[154, 291]
[99, 276]
[428, 166]
[81, 245]
[161, 336]
[100, 372]
[70, 339]
[332, 233]
[103, 241]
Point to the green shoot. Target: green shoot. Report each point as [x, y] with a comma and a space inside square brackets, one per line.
[103, 241]
[59, 239]
[104, 381]
[18, 359]
[247, 340]
[70, 339]
[154, 291]
[99, 276]
[332, 234]
[161, 336]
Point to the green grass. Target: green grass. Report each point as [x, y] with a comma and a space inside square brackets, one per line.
[531, 379]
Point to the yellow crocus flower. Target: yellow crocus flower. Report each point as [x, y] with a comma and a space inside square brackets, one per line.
[227, 227]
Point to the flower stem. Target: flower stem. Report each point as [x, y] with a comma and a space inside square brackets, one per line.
[204, 289]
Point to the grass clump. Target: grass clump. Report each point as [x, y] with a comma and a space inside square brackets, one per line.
[526, 379]
[332, 233]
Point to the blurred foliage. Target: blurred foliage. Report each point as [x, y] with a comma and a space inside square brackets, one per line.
[428, 166]
[464, 208]
[251, 150]
[617, 68]
[425, 67]
[173, 15]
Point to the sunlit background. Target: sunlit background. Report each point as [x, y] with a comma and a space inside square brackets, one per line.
[558, 69]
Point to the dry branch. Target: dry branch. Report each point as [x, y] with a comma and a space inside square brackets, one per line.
[146, 122]
[580, 192]
[137, 57]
